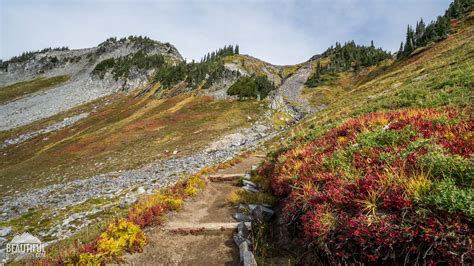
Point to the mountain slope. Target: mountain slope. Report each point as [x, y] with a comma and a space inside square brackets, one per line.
[82, 87]
[136, 119]
[384, 173]
[96, 153]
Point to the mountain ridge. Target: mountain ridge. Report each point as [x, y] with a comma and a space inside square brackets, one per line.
[90, 161]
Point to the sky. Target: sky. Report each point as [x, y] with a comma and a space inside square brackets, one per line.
[279, 32]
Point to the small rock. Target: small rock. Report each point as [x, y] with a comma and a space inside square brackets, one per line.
[141, 190]
[249, 259]
[249, 183]
[243, 230]
[240, 217]
[252, 206]
[243, 247]
[261, 213]
[238, 239]
[175, 152]
[250, 189]
[422, 77]
[127, 201]
[243, 207]
[5, 231]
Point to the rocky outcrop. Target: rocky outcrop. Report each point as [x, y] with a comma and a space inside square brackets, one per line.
[83, 86]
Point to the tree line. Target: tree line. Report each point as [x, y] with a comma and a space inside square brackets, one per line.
[438, 29]
[25, 56]
[120, 67]
[206, 72]
[347, 57]
[222, 52]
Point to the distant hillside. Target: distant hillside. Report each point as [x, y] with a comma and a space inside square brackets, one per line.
[384, 174]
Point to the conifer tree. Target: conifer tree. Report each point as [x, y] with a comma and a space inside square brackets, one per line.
[409, 42]
[419, 32]
[400, 51]
[318, 71]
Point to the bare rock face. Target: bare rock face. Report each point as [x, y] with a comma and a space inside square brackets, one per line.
[83, 86]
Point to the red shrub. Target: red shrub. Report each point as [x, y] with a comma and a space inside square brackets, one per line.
[370, 218]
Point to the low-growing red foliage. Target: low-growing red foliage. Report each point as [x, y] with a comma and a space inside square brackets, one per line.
[347, 191]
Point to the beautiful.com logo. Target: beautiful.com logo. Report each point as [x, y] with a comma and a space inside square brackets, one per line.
[25, 246]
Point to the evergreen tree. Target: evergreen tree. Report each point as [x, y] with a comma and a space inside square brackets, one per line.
[419, 32]
[438, 29]
[318, 71]
[400, 51]
[442, 26]
[409, 42]
[236, 49]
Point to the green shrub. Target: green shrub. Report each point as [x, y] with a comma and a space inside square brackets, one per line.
[420, 143]
[449, 197]
[381, 138]
[443, 165]
[251, 87]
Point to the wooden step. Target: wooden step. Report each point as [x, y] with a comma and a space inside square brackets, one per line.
[225, 177]
[202, 228]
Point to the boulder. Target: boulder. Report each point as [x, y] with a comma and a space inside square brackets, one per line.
[236, 139]
[5, 231]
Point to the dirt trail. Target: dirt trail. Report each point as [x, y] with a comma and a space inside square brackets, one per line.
[214, 246]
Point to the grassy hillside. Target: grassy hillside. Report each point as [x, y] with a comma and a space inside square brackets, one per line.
[17, 90]
[121, 132]
[385, 173]
[256, 67]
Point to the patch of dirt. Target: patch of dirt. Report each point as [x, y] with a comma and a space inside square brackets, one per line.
[167, 247]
